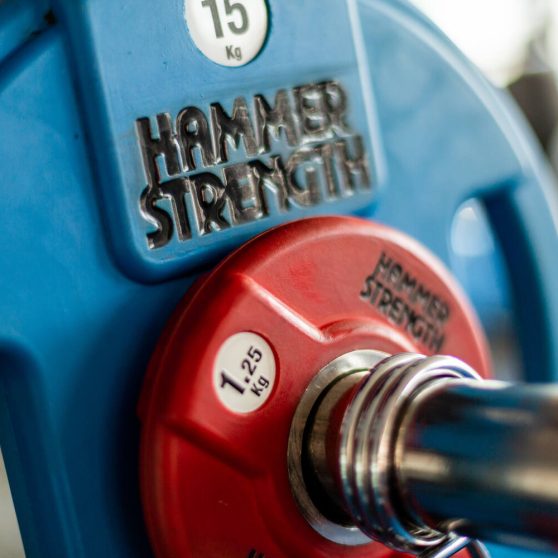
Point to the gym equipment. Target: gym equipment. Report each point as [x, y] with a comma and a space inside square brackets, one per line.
[133, 163]
[275, 400]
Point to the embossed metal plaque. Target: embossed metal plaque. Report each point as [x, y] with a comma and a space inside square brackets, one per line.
[268, 157]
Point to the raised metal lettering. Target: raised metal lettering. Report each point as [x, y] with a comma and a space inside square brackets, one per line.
[318, 158]
[232, 129]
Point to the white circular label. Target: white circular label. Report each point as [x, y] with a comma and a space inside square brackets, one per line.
[244, 372]
[228, 32]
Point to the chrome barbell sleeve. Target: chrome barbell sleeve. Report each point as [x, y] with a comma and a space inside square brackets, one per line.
[424, 456]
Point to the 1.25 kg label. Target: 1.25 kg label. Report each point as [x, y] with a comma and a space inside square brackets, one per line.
[244, 372]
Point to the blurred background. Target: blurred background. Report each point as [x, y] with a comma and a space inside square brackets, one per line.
[515, 44]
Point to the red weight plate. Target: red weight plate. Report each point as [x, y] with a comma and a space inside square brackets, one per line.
[216, 419]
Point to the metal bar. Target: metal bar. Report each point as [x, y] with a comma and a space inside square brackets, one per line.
[421, 451]
[481, 460]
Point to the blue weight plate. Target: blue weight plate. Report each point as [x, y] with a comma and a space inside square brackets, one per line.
[85, 296]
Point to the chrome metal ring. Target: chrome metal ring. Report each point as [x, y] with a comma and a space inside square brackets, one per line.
[385, 387]
[356, 362]
[369, 434]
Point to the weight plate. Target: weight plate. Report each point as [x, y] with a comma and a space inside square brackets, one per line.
[239, 354]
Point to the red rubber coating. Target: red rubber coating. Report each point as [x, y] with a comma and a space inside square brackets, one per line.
[214, 482]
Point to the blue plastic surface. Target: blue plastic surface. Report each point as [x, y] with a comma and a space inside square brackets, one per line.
[82, 299]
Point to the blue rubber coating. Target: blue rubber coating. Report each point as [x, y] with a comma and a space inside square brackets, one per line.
[20, 21]
[83, 298]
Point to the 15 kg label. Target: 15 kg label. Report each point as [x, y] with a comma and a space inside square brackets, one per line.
[228, 32]
[244, 372]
